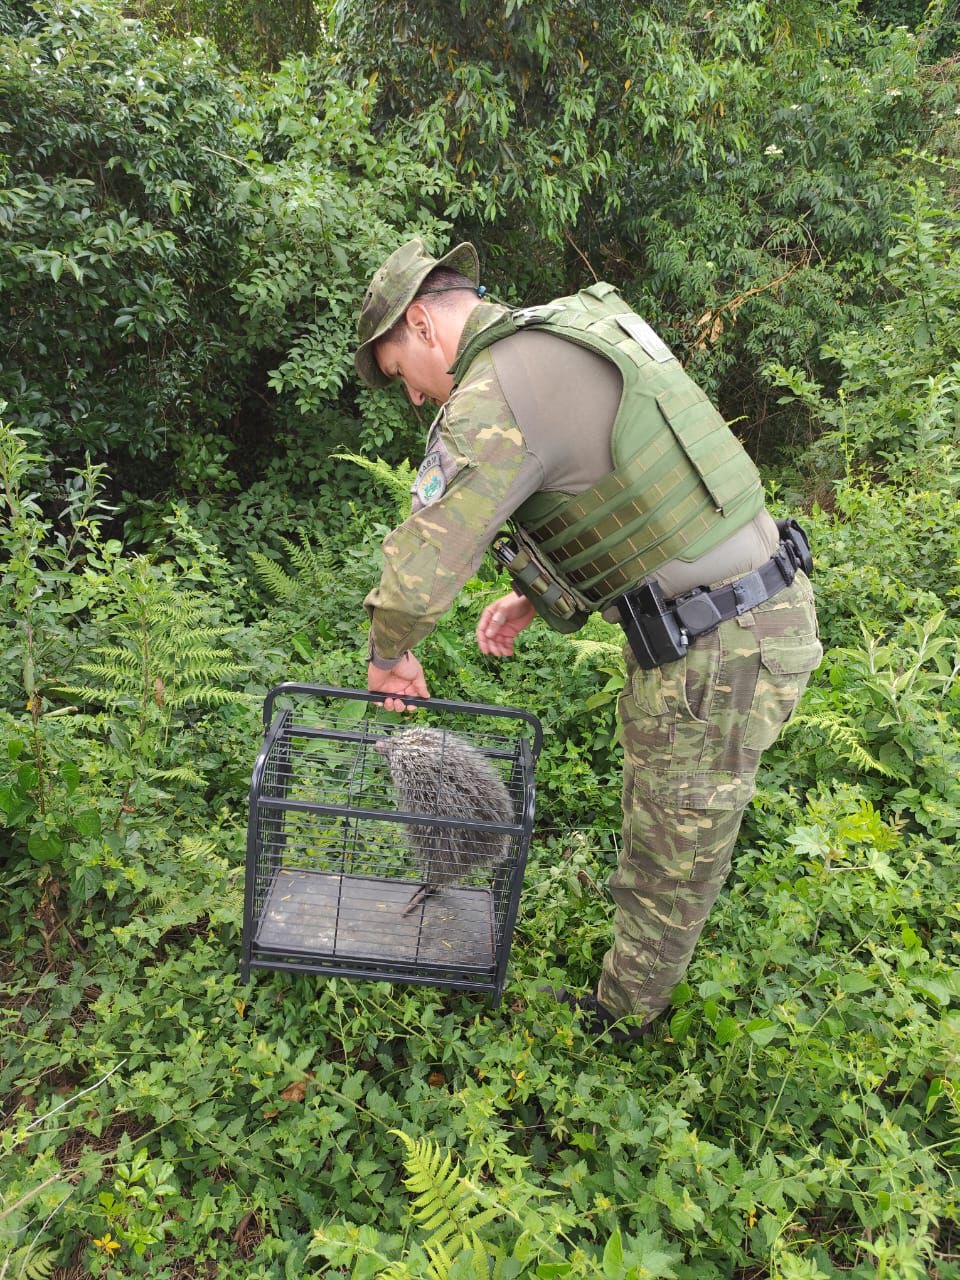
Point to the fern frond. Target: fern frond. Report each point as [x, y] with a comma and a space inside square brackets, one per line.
[397, 480]
[121, 664]
[26, 1263]
[204, 696]
[591, 650]
[396, 1271]
[182, 773]
[193, 645]
[100, 696]
[313, 563]
[315, 571]
[441, 1262]
[276, 580]
[197, 848]
[446, 1204]
[843, 739]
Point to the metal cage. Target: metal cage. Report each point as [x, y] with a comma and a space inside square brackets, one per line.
[335, 868]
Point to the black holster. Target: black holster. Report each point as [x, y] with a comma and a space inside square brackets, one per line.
[651, 626]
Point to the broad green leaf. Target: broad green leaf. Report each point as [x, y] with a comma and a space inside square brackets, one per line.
[761, 1030]
[70, 775]
[613, 1254]
[680, 1023]
[45, 848]
[856, 982]
[87, 822]
[728, 1030]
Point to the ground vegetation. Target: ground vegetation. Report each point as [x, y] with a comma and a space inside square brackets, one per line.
[193, 488]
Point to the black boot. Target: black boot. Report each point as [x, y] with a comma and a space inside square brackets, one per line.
[597, 1018]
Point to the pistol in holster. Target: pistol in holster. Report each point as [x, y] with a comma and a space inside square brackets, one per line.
[533, 579]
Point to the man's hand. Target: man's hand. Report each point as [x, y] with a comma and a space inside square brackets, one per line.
[501, 623]
[405, 678]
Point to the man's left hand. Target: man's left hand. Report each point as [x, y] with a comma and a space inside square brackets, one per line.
[405, 678]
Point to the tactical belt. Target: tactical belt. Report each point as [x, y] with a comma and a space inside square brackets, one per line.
[661, 631]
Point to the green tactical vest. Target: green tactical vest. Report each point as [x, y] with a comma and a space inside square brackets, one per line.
[682, 482]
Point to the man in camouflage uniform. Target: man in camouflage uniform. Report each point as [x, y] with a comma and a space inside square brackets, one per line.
[582, 398]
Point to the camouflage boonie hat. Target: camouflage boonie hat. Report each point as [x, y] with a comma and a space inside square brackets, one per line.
[392, 290]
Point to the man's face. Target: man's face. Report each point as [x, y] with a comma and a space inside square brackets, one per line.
[419, 360]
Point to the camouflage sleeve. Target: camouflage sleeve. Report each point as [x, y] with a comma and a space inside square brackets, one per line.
[476, 472]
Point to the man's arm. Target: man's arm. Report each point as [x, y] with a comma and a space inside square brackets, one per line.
[488, 472]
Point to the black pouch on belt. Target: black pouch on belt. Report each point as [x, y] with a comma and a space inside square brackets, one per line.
[794, 538]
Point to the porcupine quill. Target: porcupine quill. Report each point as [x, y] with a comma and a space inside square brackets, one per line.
[436, 772]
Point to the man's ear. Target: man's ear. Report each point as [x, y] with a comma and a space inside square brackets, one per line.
[420, 320]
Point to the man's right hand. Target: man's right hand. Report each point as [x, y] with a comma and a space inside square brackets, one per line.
[501, 623]
[404, 677]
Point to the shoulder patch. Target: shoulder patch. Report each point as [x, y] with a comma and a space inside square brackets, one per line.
[431, 483]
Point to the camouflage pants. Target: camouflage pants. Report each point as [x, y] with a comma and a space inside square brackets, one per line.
[693, 734]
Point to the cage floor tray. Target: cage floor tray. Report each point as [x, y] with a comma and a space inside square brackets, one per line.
[329, 914]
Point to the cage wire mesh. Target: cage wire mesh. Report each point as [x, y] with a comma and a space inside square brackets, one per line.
[388, 847]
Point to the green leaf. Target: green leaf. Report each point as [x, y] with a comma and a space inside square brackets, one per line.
[933, 1093]
[680, 1023]
[301, 645]
[87, 822]
[727, 1030]
[14, 805]
[856, 982]
[613, 1254]
[682, 994]
[353, 712]
[70, 775]
[27, 777]
[761, 1030]
[45, 848]
[934, 990]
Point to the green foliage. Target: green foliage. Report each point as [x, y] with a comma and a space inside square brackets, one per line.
[30, 1260]
[257, 35]
[763, 139]
[445, 1206]
[396, 481]
[897, 398]
[191, 247]
[798, 1115]
[119, 219]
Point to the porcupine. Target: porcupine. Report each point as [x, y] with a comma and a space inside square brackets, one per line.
[436, 772]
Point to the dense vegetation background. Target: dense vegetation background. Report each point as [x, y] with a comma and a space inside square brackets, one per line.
[193, 197]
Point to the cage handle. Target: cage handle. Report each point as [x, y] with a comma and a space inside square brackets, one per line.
[436, 704]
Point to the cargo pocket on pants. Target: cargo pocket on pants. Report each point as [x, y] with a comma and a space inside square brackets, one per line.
[785, 667]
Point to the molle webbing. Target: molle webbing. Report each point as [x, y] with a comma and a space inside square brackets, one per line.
[634, 532]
